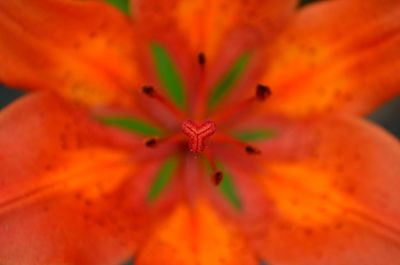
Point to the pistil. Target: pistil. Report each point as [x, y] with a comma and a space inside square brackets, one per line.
[198, 134]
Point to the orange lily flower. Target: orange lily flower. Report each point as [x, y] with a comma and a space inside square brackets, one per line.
[256, 153]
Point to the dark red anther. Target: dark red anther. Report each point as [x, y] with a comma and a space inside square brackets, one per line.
[198, 134]
[262, 92]
[149, 90]
[217, 178]
[201, 58]
[151, 142]
[252, 150]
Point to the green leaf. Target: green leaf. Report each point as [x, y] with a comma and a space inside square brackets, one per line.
[168, 74]
[131, 124]
[229, 79]
[162, 178]
[256, 135]
[122, 5]
[228, 189]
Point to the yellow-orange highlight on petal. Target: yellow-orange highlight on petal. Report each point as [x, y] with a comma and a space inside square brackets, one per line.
[75, 175]
[212, 24]
[304, 195]
[196, 235]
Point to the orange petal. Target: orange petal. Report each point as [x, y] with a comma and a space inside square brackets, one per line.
[337, 56]
[332, 196]
[82, 49]
[223, 30]
[208, 24]
[195, 235]
[66, 196]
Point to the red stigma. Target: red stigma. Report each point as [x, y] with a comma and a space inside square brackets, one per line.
[198, 134]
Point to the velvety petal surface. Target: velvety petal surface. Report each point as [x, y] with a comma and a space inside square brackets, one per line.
[336, 56]
[195, 234]
[330, 195]
[222, 30]
[208, 25]
[84, 50]
[68, 194]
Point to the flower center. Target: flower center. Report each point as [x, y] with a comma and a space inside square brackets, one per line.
[190, 118]
[198, 134]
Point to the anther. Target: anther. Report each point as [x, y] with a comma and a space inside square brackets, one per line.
[217, 177]
[201, 58]
[262, 92]
[252, 150]
[151, 142]
[149, 90]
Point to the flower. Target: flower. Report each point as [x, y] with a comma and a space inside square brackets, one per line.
[317, 187]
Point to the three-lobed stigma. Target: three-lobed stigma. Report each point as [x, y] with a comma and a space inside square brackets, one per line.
[198, 134]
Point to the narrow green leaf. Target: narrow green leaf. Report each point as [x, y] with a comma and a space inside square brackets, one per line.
[168, 74]
[228, 80]
[131, 124]
[122, 5]
[162, 178]
[228, 189]
[256, 135]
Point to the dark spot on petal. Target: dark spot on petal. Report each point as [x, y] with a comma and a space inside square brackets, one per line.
[88, 202]
[86, 216]
[339, 225]
[92, 34]
[78, 196]
[100, 223]
[308, 232]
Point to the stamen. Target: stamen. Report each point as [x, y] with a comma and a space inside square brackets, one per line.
[198, 134]
[152, 93]
[217, 178]
[262, 92]
[155, 141]
[200, 102]
[249, 149]
[149, 90]
[201, 58]
[252, 150]
[151, 142]
[217, 175]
